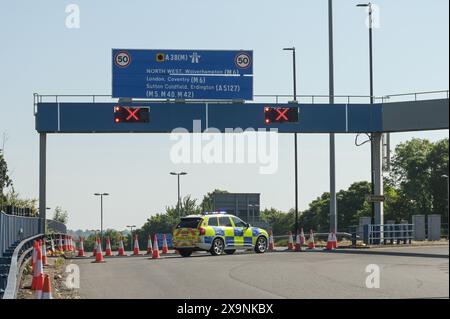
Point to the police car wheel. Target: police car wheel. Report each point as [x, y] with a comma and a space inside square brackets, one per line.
[185, 253]
[230, 251]
[217, 247]
[261, 245]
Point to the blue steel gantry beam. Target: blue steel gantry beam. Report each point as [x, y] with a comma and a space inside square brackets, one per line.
[313, 118]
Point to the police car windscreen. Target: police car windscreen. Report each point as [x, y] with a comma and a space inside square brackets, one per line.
[189, 222]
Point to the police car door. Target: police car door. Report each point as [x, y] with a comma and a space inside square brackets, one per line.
[227, 226]
[242, 234]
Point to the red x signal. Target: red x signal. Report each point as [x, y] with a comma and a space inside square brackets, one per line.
[132, 113]
[281, 114]
[129, 114]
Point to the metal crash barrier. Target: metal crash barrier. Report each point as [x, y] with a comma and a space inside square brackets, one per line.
[388, 234]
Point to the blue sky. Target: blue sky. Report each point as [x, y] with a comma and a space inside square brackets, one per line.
[39, 54]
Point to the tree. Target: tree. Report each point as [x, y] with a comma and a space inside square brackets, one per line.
[189, 206]
[280, 222]
[5, 181]
[60, 215]
[417, 169]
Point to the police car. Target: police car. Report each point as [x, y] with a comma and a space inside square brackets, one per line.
[218, 233]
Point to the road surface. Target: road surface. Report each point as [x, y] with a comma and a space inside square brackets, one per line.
[405, 272]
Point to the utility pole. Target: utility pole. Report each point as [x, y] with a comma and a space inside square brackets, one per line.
[294, 78]
[333, 202]
[375, 137]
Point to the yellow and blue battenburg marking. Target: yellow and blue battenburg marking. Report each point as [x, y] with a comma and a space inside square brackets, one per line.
[233, 236]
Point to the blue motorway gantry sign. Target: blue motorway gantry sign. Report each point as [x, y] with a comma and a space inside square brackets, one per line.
[182, 74]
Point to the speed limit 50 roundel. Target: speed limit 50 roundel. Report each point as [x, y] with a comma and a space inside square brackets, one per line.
[122, 59]
[243, 60]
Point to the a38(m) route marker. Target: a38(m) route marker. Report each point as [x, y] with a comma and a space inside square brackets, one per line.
[182, 74]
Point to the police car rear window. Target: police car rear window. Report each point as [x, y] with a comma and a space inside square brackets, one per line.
[189, 222]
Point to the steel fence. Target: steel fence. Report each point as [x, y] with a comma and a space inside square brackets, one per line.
[14, 229]
[388, 234]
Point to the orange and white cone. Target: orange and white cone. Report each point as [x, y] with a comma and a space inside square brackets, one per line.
[290, 242]
[34, 256]
[311, 244]
[38, 276]
[47, 288]
[81, 248]
[60, 244]
[298, 245]
[108, 251]
[329, 245]
[271, 243]
[99, 254]
[136, 246]
[302, 237]
[44, 253]
[334, 240]
[52, 246]
[65, 244]
[165, 247]
[149, 245]
[121, 249]
[155, 248]
[94, 251]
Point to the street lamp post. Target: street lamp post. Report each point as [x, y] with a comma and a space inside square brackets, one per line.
[295, 138]
[374, 137]
[131, 235]
[333, 202]
[101, 213]
[179, 198]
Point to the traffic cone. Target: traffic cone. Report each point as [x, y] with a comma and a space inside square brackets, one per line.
[81, 248]
[271, 243]
[99, 254]
[108, 251]
[121, 249]
[94, 251]
[38, 276]
[60, 244]
[136, 246]
[34, 256]
[44, 253]
[155, 248]
[311, 244]
[47, 288]
[298, 245]
[290, 242]
[149, 245]
[334, 240]
[165, 247]
[302, 237]
[329, 245]
[52, 245]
